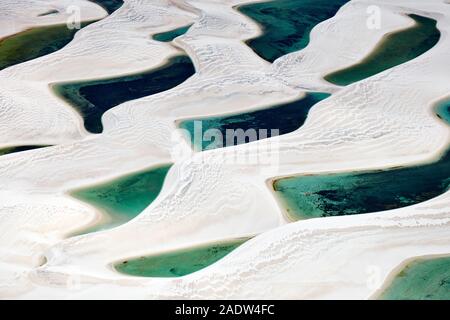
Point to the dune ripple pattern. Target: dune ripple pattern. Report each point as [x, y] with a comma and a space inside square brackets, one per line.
[384, 121]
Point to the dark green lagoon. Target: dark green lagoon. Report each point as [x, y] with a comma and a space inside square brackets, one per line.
[394, 49]
[34, 43]
[10, 150]
[124, 198]
[422, 279]
[335, 194]
[171, 34]
[180, 262]
[285, 117]
[287, 24]
[94, 97]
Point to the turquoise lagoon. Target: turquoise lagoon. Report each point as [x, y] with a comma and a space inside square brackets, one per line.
[179, 262]
[171, 34]
[122, 199]
[287, 24]
[421, 279]
[335, 194]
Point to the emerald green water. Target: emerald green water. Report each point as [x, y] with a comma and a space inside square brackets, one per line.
[124, 198]
[171, 34]
[178, 263]
[94, 97]
[287, 24]
[285, 117]
[422, 279]
[34, 43]
[395, 48]
[9, 150]
[312, 196]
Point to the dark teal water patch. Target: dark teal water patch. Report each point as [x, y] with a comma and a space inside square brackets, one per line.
[48, 13]
[180, 262]
[422, 279]
[109, 5]
[394, 49]
[171, 34]
[10, 150]
[124, 198]
[312, 196]
[94, 97]
[285, 118]
[34, 43]
[287, 24]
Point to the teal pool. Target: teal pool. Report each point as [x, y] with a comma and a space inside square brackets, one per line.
[335, 194]
[287, 24]
[421, 279]
[285, 118]
[180, 262]
[394, 49]
[109, 5]
[171, 34]
[94, 97]
[124, 198]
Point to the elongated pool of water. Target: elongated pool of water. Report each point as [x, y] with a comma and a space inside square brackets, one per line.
[287, 24]
[258, 124]
[394, 49]
[124, 198]
[179, 262]
[421, 279]
[93, 98]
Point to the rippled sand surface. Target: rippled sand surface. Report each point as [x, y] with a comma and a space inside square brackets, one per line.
[381, 122]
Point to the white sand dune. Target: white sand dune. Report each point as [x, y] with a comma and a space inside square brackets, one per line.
[383, 121]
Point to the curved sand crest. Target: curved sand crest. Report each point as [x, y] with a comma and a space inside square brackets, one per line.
[215, 201]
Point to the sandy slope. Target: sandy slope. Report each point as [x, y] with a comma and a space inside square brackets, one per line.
[383, 121]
